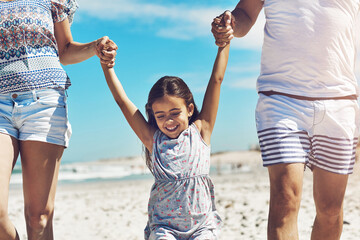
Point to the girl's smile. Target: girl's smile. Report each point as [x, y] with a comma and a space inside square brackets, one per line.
[171, 129]
[172, 115]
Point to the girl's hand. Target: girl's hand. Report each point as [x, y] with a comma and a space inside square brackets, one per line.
[105, 49]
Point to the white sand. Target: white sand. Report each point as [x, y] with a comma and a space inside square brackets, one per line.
[118, 210]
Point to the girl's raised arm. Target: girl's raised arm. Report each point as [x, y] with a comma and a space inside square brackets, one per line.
[136, 120]
[207, 116]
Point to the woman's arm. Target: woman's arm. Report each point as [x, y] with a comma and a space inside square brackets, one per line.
[71, 52]
[207, 116]
[136, 120]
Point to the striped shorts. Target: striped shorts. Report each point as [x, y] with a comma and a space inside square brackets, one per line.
[37, 115]
[318, 133]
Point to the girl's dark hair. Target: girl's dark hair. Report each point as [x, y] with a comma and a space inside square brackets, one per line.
[171, 86]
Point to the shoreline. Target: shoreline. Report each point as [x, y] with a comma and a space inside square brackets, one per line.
[118, 209]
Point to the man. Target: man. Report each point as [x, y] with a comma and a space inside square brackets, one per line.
[307, 112]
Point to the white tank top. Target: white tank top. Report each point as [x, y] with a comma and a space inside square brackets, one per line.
[309, 48]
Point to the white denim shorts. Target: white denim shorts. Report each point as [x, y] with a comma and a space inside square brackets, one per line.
[319, 133]
[38, 115]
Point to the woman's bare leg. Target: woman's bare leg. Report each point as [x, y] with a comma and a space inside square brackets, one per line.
[9, 152]
[40, 166]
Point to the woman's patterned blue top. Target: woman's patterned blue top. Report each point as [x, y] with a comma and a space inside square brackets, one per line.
[28, 50]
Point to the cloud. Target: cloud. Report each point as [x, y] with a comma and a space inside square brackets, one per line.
[244, 68]
[176, 21]
[179, 21]
[242, 75]
[244, 83]
[255, 38]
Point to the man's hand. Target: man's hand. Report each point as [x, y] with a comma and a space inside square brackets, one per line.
[222, 29]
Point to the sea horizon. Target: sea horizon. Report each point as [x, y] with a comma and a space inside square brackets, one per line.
[114, 169]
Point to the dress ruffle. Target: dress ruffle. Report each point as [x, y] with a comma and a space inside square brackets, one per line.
[62, 9]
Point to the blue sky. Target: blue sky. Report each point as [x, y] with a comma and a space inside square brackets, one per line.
[157, 38]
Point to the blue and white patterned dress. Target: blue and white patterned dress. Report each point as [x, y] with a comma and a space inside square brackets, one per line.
[181, 204]
[28, 49]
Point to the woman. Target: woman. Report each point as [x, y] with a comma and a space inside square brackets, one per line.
[34, 36]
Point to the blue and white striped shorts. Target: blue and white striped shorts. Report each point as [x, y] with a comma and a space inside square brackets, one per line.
[319, 133]
[37, 115]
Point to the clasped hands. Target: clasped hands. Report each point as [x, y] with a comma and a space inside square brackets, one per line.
[106, 49]
[222, 28]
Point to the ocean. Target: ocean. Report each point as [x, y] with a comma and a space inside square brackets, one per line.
[102, 170]
[117, 169]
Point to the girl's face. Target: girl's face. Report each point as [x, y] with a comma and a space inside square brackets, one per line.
[172, 115]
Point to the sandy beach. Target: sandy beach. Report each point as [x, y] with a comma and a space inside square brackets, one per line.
[118, 209]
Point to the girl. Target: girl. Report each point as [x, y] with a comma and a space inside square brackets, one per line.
[177, 143]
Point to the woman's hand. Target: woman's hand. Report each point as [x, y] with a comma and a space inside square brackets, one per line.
[71, 52]
[105, 49]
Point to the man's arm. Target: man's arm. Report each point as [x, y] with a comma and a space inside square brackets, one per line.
[245, 15]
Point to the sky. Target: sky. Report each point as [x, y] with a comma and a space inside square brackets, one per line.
[157, 38]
